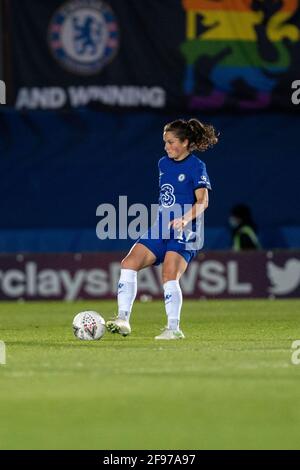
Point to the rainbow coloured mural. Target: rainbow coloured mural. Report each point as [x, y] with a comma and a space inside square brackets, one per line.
[236, 51]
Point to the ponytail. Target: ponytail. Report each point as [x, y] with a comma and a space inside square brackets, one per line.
[200, 136]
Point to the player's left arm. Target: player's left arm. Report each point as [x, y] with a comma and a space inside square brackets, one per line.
[198, 208]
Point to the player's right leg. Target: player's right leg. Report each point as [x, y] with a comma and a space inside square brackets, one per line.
[139, 257]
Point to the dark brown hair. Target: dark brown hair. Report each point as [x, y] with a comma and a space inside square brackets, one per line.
[200, 136]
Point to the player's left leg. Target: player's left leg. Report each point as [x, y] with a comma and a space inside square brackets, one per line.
[173, 267]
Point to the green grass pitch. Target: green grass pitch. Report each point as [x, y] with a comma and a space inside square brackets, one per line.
[229, 385]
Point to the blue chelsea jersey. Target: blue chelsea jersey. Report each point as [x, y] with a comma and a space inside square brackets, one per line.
[178, 180]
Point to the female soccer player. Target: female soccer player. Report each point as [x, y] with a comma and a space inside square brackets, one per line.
[174, 239]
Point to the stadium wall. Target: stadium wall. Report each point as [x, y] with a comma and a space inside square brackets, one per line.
[95, 276]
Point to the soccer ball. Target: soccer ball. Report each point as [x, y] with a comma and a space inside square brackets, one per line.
[88, 325]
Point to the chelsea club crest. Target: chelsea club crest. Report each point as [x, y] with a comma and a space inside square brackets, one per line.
[83, 36]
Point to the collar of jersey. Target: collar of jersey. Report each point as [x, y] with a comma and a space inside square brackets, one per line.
[182, 161]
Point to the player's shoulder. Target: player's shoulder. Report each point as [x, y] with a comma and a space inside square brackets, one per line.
[163, 160]
[196, 162]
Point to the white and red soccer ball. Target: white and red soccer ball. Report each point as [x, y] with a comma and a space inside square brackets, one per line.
[88, 325]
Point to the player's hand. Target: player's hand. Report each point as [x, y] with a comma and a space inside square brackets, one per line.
[178, 224]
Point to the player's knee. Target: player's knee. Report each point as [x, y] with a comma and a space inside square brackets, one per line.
[127, 263]
[130, 262]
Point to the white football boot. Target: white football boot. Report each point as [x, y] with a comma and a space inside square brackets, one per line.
[170, 334]
[118, 325]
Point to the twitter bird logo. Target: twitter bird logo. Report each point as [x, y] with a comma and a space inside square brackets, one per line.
[286, 279]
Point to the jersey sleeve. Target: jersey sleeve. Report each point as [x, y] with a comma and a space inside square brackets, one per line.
[200, 176]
